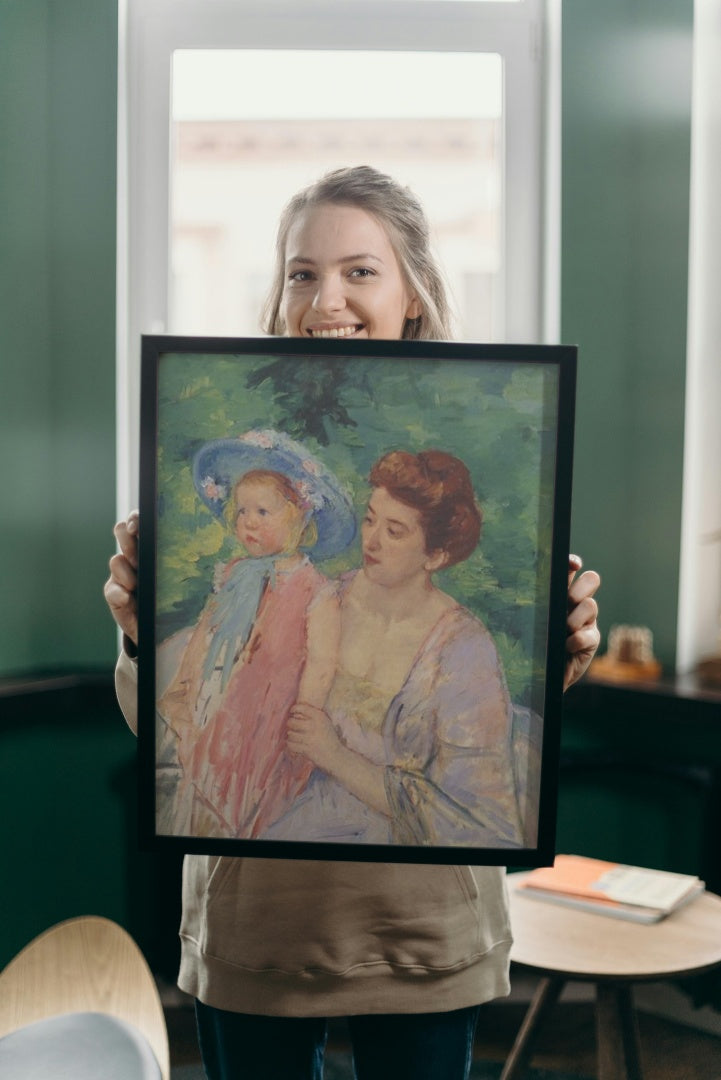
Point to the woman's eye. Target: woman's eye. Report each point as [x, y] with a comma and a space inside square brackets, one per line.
[362, 272]
[300, 276]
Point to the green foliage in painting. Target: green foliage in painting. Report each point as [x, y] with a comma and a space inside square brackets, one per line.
[498, 418]
[310, 395]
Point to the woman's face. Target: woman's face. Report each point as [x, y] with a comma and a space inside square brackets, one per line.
[342, 277]
[265, 522]
[394, 543]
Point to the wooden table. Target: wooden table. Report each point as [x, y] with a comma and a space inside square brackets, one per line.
[563, 944]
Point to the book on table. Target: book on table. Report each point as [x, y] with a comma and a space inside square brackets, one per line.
[609, 888]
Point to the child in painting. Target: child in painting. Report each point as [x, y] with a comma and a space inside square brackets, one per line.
[266, 639]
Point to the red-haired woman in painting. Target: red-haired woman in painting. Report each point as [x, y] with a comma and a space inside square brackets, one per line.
[414, 744]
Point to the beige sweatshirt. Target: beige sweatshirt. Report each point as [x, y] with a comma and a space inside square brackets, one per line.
[286, 937]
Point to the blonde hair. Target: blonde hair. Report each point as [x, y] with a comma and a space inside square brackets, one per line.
[402, 216]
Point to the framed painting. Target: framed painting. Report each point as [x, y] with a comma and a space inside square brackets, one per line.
[352, 597]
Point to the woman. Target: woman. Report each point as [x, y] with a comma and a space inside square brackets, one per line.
[272, 948]
[419, 747]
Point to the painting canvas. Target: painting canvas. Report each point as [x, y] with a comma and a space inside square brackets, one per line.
[352, 597]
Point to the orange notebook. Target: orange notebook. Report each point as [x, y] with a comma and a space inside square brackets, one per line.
[630, 892]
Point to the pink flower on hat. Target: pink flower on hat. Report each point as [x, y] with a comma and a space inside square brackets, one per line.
[309, 497]
[263, 439]
[312, 467]
[212, 489]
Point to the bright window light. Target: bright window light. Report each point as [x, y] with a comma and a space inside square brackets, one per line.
[238, 155]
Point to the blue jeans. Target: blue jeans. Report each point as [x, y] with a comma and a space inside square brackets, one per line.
[415, 1046]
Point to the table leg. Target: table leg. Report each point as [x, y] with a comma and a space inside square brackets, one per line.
[617, 1033]
[545, 997]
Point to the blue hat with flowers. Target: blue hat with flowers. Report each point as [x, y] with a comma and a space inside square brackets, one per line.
[219, 465]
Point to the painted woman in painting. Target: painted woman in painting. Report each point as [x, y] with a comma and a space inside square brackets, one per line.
[414, 743]
[267, 637]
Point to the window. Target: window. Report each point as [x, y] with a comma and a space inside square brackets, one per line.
[227, 107]
[235, 161]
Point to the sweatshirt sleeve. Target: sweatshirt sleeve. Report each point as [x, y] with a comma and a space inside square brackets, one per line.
[126, 689]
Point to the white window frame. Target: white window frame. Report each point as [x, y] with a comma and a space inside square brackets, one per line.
[699, 597]
[526, 34]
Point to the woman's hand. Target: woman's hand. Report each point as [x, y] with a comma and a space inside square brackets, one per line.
[121, 587]
[583, 635]
[311, 733]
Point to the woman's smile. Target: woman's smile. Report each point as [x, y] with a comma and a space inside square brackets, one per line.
[335, 331]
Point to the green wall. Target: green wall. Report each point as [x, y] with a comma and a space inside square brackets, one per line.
[626, 146]
[67, 767]
[58, 74]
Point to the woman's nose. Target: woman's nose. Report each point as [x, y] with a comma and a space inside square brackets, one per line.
[329, 295]
[370, 537]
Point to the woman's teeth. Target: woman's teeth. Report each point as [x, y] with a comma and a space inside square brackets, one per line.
[336, 332]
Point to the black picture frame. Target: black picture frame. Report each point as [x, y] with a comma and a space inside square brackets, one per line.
[215, 775]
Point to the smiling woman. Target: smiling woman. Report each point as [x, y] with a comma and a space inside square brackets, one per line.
[295, 942]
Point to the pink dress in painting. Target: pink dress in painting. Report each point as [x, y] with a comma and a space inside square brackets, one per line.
[240, 767]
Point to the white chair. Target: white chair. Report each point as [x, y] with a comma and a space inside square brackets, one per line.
[80, 1002]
